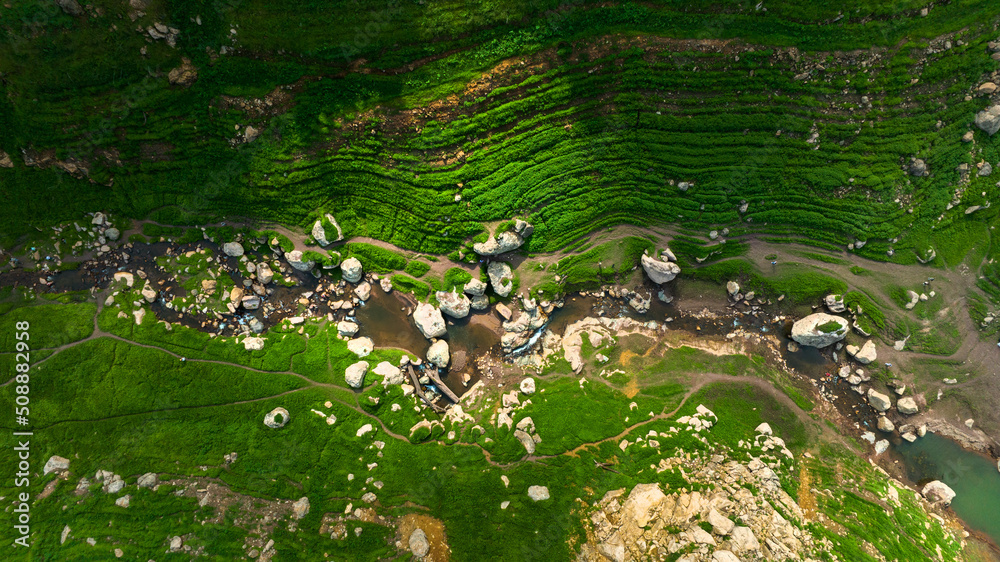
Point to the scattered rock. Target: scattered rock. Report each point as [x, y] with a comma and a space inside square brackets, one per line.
[721, 525]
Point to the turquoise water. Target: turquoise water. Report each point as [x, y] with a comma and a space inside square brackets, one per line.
[975, 479]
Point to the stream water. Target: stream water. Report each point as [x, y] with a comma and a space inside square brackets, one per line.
[974, 478]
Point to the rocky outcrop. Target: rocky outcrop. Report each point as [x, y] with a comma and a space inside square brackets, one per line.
[501, 277]
[495, 246]
[276, 418]
[453, 304]
[351, 270]
[294, 259]
[819, 330]
[938, 492]
[989, 120]
[355, 374]
[438, 354]
[659, 271]
[429, 321]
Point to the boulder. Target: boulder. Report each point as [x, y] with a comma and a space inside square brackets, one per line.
[264, 273]
[480, 302]
[733, 288]
[361, 346]
[659, 271]
[721, 525]
[907, 406]
[55, 464]
[743, 540]
[881, 446]
[835, 303]
[250, 302]
[300, 508]
[475, 287]
[319, 233]
[641, 505]
[878, 400]
[418, 543]
[453, 304]
[819, 330]
[438, 354]
[937, 491]
[276, 418]
[355, 374]
[918, 168]
[123, 501]
[528, 386]
[494, 246]
[764, 428]
[148, 292]
[351, 270]
[866, 354]
[346, 328]
[526, 441]
[538, 493]
[885, 424]
[986, 170]
[429, 321]
[501, 277]
[232, 249]
[183, 75]
[255, 325]
[253, 344]
[363, 290]
[147, 480]
[71, 7]
[112, 234]
[987, 88]
[989, 120]
[390, 373]
[294, 259]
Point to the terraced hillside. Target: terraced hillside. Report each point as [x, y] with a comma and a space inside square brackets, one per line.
[781, 120]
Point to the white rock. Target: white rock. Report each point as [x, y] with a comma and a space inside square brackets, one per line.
[355, 374]
[528, 386]
[538, 493]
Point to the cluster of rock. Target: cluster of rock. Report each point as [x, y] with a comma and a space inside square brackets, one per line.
[532, 317]
[736, 520]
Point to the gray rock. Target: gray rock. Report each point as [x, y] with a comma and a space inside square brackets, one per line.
[300, 508]
[429, 321]
[319, 233]
[986, 170]
[885, 425]
[733, 288]
[148, 292]
[989, 120]
[112, 234]
[363, 290]
[123, 501]
[526, 441]
[881, 446]
[55, 464]
[351, 270]
[71, 7]
[438, 354]
[453, 304]
[501, 277]
[355, 374]
[264, 273]
[390, 373]
[743, 540]
[806, 331]
[659, 271]
[527, 386]
[480, 302]
[835, 303]
[918, 168]
[361, 347]
[147, 480]
[234, 249]
[255, 325]
[418, 543]
[271, 419]
[250, 302]
[345, 328]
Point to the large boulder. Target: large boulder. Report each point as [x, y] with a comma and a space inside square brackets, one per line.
[907, 405]
[501, 277]
[429, 321]
[475, 287]
[355, 374]
[438, 354]
[878, 400]
[418, 543]
[493, 246]
[294, 259]
[319, 233]
[253, 344]
[276, 418]
[865, 355]
[819, 330]
[361, 347]
[391, 374]
[351, 270]
[937, 491]
[660, 271]
[232, 249]
[264, 273]
[347, 328]
[538, 493]
[989, 120]
[300, 508]
[453, 304]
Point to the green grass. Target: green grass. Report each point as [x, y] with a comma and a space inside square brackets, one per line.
[406, 284]
[417, 268]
